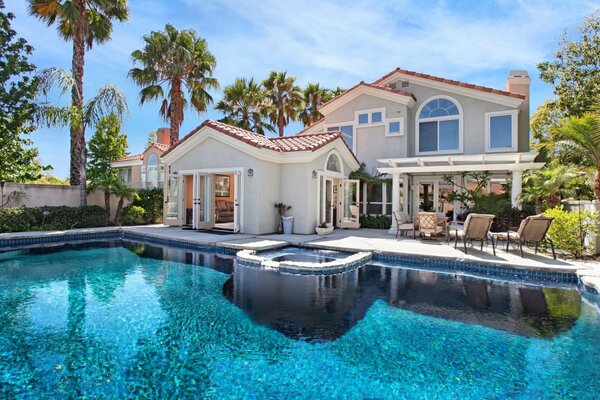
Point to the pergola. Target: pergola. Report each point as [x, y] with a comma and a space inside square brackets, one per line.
[507, 163]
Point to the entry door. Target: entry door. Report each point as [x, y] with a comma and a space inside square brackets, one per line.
[237, 178]
[204, 201]
[350, 207]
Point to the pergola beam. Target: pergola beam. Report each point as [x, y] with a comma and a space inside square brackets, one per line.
[460, 168]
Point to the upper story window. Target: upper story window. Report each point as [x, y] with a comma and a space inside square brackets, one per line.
[125, 175]
[370, 117]
[347, 133]
[501, 131]
[152, 172]
[439, 126]
[333, 163]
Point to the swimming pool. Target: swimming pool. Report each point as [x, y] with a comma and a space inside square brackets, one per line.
[127, 320]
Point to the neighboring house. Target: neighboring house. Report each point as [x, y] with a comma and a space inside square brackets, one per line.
[414, 128]
[145, 170]
[221, 176]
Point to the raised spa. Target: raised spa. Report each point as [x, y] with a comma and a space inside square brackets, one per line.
[304, 260]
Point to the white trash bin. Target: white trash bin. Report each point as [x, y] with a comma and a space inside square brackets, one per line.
[288, 225]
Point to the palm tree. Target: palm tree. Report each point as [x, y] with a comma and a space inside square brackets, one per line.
[314, 97]
[243, 104]
[577, 140]
[84, 22]
[284, 99]
[108, 100]
[546, 185]
[175, 60]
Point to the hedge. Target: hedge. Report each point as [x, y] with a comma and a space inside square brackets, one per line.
[375, 221]
[146, 208]
[21, 219]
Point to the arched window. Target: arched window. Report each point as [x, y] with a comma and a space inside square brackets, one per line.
[153, 159]
[439, 126]
[152, 170]
[333, 163]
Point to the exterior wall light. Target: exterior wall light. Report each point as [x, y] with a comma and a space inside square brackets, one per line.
[314, 174]
[250, 172]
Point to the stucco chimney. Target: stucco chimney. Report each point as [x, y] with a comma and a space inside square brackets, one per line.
[163, 136]
[519, 82]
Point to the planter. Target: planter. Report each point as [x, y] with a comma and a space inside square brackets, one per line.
[324, 231]
[288, 225]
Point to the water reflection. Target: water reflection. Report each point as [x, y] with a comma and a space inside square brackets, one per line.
[324, 307]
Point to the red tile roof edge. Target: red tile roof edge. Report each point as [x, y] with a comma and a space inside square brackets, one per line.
[160, 146]
[449, 81]
[362, 83]
[130, 158]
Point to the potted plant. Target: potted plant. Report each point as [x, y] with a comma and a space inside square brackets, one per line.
[324, 229]
[281, 210]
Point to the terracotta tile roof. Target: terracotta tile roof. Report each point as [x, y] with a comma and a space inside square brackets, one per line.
[363, 84]
[288, 144]
[448, 81]
[161, 146]
[130, 158]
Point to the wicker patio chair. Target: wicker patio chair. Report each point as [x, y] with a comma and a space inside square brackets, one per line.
[476, 227]
[428, 225]
[403, 222]
[533, 229]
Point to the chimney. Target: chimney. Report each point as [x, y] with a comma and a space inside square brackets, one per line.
[519, 82]
[163, 136]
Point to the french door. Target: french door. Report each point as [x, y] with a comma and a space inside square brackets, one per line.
[327, 202]
[203, 202]
[350, 194]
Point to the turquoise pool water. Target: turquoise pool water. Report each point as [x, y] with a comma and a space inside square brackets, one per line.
[145, 321]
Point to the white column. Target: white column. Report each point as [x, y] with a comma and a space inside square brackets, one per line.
[516, 186]
[406, 194]
[395, 201]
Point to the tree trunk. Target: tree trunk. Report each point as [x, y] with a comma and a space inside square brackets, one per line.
[117, 220]
[553, 200]
[538, 206]
[176, 112]
[107, 205]
[78, 150]
[597, 185]
[281, 123]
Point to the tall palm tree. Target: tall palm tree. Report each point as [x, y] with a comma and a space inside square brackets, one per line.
[285, 99]
[175, 60]
[314, 96]
[546, 185]
[578, 139]
[84, 22]
[109, 100]
[243, 104]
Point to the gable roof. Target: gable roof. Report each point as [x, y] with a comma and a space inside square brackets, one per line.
[159, 146]
[448, 81]
[287, 144]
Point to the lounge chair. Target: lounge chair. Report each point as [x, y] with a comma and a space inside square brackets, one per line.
[476, 227]
[403, 223]
[533, 229]
[428, 225]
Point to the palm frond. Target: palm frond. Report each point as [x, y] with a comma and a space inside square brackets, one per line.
[109, 100]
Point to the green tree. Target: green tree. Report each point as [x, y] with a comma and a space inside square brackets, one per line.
[83, 22]
[284, 99]
[108, 100]
[18, 160]
[178, 61]
[314, 96]
[575, 70]
[152, 138]
[107, 144]
[243, 104]
[546, 187]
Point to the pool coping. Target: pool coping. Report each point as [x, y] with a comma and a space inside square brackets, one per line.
[449, 264]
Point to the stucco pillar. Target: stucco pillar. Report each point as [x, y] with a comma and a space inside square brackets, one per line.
[406, 192]
[395, 201]
[516, 186]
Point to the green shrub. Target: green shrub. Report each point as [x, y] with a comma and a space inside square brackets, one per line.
[565, 229]
[133, 215]
[490, 204]
[375, 221]
[151, 201]
[21, 219]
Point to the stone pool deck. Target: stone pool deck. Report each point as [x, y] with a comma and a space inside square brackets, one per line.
[371, 240]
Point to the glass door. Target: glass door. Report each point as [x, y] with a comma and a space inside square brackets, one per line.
[426, 196]
[327, 202]
[203, 202]
[350, 209]
[172, 202]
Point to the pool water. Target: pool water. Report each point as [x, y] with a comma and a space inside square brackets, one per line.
[127, 320]
[297, 254]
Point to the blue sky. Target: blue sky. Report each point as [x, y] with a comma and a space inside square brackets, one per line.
[336, 43]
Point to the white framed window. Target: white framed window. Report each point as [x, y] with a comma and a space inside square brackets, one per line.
[394, 127]
[439, 126]
[347, 130]
[501, 130]
[371, 117]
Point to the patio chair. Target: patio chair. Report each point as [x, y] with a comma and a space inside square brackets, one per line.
[533, 229]
[428, 225]
[403, 223]
[476, 227]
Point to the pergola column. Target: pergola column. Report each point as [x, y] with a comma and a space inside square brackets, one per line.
[395, 201]
[516, 187]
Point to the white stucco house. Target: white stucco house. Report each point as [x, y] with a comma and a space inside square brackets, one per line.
[415, 128]
[230, 178]
[409, 126]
